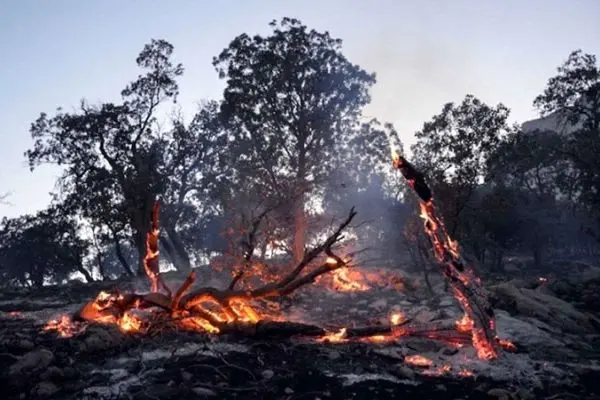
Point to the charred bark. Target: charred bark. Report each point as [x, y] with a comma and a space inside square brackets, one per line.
[459, 274]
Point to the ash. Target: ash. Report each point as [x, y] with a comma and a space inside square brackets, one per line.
[556, 353]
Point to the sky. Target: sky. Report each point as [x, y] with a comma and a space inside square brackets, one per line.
[425, 53]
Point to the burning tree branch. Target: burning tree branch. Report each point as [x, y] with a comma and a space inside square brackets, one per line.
[467, 288]
[213, 309]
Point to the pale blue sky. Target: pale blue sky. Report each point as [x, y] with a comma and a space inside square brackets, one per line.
[426, 53]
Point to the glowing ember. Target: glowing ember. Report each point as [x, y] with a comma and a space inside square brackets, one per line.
[15, 314]
[418, 360]
[507, 344]
[64, 326]
[438, 371]
[464, 325]
[465, 285]
[337, 337]
[397, 318]
[345, 280]
[129, 323]
[542, 279]
[465, 373]
[151, 258]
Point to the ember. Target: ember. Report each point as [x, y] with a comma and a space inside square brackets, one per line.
[418, 360]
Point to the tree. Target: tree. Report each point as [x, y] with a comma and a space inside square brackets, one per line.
[573, 97]
[118, 161]
[44, 247]
[292, 101]
[453, 150]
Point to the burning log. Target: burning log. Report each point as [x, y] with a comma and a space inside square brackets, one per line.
[466, 286]
[216, 310]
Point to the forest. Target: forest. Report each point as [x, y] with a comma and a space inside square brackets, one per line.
[279, 185]
[288, 137]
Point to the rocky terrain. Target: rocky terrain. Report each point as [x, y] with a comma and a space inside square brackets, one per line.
[551, 321]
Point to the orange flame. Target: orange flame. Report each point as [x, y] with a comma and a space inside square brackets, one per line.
[64, 326]
[336, 337]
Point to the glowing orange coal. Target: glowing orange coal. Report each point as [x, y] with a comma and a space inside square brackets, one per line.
[335, 337]
[64, 327]
[418, 360]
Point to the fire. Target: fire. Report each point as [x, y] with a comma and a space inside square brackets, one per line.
[336, 337]
[418, 360]
[129, 323]
[64, 326]
[507, 344]
[151, 258]
[465, 324]
[348, 281]
[397, 318]
[437, 371]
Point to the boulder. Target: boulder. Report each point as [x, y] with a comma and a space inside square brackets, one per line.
[544, 307]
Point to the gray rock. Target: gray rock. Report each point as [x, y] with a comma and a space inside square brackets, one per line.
[45, 389]
[52, 373]
[186, 376]
[379, 305]
[202, 391]
[268, 374]
[500, 394]
[32, 362]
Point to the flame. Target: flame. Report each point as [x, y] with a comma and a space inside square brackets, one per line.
[396, 160]
[129, 323]
[64, 326]
[348, 281]
[465, 324]
[152, 252]
[331, 261]
[418, 360]
[335, 337]
[397, 318]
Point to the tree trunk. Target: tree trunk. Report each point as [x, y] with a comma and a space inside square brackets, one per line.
[88, 277]
[179, 251]
[122, 259]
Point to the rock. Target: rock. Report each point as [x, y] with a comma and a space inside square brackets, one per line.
[446, 302]
[45, 389]
[26, 344]
[334, 354]
[268, 374]
[511, 268]
[500, 394]
[202, 391]
[404, 372]
[379, 305]
[186, 376]
[544, 307]
[288, 390]
[52, 373]
[101, 339]
[31, 363]
[449, 351]
[394, 352]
